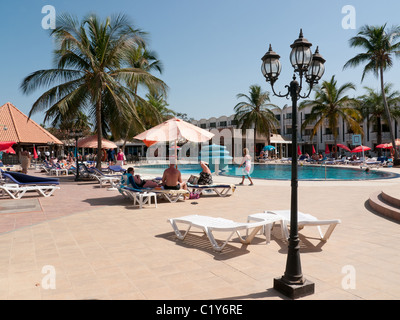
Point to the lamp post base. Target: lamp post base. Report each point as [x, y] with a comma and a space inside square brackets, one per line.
[294, 291]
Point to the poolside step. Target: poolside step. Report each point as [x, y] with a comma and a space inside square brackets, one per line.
[385, 204]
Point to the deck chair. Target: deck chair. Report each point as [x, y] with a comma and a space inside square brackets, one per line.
[171, 195]
[138, 196]
[210, 224]
[104, 179]
[116, 169]
[221, 189]
[58, 170]
[17, 184]
[304, 219]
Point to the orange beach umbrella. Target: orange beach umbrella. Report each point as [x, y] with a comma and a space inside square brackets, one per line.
[173, 130]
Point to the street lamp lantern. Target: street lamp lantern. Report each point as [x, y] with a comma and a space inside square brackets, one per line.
[309, 67]
[301, 55]
[271, 66]
[316, 69]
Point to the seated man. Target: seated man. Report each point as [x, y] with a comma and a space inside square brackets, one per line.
[172, 179]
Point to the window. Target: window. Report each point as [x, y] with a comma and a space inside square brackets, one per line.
[223, 124]
[213, 124]
[203, 125]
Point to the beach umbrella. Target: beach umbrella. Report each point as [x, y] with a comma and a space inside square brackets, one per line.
[343, 147]
[4, 145]
[91, 142]
[268, 148]
[360, 149]
[313, 150]
[298, 150]
[384, 146]
[327, 149]
[173, 130]
[9, 150]
[35, 155]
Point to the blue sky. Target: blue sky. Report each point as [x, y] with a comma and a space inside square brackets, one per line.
[211, 49]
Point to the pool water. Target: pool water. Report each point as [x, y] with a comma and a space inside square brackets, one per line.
[283, 172]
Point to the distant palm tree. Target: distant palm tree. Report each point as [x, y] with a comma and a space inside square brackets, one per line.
[141, 58]
[90, 74]
[255, 111]
[379, 45]
[372, 108]
[331, 104]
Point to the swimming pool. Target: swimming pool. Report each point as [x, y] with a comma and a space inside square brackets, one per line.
[282, 172]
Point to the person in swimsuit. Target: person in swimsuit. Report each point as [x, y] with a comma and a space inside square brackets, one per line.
[135, 181]
[247, 166]
[172, 179]
[205, 177]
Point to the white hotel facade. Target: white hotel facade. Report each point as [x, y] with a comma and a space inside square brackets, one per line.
[282, 138]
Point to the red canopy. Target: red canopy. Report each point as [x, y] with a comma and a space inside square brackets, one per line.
[35, 155]
[10, 150]
[361, 149]
[313, 150]
[4, 145]
[343, 147]
[298, 150]
[384, 146]
[327, 150]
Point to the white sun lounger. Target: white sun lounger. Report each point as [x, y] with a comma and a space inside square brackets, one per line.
[220, 189]
[16, 191]
[210, 224]
[303, 220]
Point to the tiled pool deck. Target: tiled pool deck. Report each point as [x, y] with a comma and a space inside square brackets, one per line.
[101, 247]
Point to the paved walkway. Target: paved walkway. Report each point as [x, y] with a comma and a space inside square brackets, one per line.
[101, 247]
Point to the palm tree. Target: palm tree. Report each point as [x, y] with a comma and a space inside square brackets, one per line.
[255, 112]
[372, 108]
[89, 73]
[379, 45]
[331, 104]
[142, 59]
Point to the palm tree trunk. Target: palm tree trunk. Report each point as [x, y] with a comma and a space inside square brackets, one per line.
[379, 133]
[99, 134]
[389, 119]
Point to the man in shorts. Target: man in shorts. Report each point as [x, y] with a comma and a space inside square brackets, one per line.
[172, 179]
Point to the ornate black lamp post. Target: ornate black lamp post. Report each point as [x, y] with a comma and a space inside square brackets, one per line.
[309, 67]
[76, 134]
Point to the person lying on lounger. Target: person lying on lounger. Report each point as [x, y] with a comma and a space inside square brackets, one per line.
[135, 181]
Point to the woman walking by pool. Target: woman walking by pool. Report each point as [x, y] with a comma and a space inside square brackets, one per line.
[247, 166]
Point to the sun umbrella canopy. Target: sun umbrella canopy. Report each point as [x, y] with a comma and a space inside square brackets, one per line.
[313, 150]
[343, 147]
[35, 155]
[361, 149]
[10, 150]
[327, 149]
[268, 148]
[172, 130]
[91, 142]
[4, 145]
[298, 151]
[384, 146]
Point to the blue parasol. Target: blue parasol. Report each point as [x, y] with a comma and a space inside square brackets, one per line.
[268, 148]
